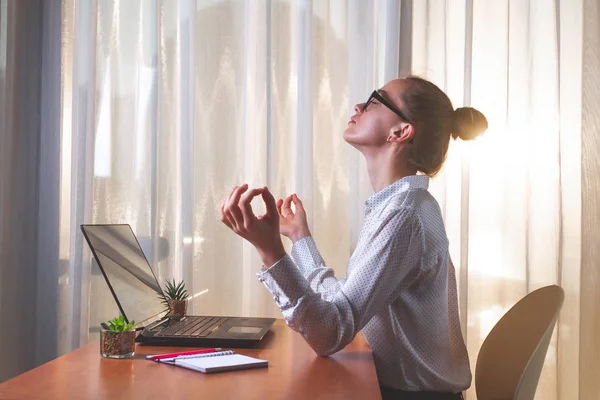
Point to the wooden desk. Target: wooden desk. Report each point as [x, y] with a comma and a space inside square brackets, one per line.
[294, 372]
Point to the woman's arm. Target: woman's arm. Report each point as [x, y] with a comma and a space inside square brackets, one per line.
[294, 225]
[320, 277]
[386, 260]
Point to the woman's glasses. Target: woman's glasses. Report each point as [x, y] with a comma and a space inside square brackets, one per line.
[376, 96]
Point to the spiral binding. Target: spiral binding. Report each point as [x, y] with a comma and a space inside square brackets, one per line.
[215, 354]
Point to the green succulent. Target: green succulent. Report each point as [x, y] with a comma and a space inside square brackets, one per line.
[117, 325]
[174, 291]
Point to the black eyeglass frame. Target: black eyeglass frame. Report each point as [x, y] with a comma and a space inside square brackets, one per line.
[379, 98]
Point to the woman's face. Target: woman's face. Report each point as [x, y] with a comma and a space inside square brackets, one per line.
[370, 128]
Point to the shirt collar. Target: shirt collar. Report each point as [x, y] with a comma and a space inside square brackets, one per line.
[405, 184]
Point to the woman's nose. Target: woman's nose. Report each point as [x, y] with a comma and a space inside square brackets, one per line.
[358, 108]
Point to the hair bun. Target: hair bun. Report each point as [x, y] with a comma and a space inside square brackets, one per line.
[468, 123]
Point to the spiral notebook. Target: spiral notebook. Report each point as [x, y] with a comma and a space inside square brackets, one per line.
[217, 362]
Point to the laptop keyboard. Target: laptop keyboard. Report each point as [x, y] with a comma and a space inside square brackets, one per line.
[193, 326]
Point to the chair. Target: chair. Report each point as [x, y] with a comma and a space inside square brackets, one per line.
[511, 358]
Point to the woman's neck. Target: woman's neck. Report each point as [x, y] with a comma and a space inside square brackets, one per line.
[384, 170]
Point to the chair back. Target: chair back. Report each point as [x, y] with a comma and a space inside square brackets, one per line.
[511, 358]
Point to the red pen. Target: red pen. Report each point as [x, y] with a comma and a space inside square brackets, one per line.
[183, 353]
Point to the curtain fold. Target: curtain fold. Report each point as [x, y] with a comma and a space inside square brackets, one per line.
[187, 99]
[164, 106]
[589, 330]
[507, 198]
[21, 27]
[191, 98]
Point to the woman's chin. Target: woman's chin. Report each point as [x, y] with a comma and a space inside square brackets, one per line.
[350, 139]
[348, 134]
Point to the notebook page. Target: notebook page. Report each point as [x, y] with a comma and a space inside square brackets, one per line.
[226, 362]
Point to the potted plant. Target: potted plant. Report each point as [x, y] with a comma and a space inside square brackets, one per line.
[175, 298]
[117, 338]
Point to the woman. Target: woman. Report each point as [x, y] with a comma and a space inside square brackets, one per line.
[400, 287]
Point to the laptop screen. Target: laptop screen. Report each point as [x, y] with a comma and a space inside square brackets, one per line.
[126, 270]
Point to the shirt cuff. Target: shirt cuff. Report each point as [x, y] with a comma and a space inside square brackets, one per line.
[285, 282]
[306, 255]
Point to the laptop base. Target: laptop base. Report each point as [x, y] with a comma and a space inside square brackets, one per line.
[235, 332]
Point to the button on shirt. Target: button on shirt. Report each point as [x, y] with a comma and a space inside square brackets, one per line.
[399, 289]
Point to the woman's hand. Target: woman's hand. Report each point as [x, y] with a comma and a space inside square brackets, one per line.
[261, 231]
[294, 226]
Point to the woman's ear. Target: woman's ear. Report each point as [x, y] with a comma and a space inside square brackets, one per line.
[401, 133]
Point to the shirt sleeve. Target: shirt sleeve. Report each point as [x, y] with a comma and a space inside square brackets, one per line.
[387, 258]
[320, 277]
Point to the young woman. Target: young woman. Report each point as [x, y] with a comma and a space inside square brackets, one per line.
[400, 287]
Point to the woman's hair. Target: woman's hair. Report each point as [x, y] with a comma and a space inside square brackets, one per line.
[435, 120]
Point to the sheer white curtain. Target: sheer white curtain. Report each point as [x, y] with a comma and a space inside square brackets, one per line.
[165, 105]
[511, 200]
[169, 104]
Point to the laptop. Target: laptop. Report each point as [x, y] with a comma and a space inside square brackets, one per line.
[139, 297]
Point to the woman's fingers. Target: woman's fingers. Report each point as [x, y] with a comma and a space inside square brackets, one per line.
[232, 209]
[226, 200]
[270, 203]
[236, 210]
[246, 208]
[297, 203]
[287, 207]
[236, 194]
[224, 218]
